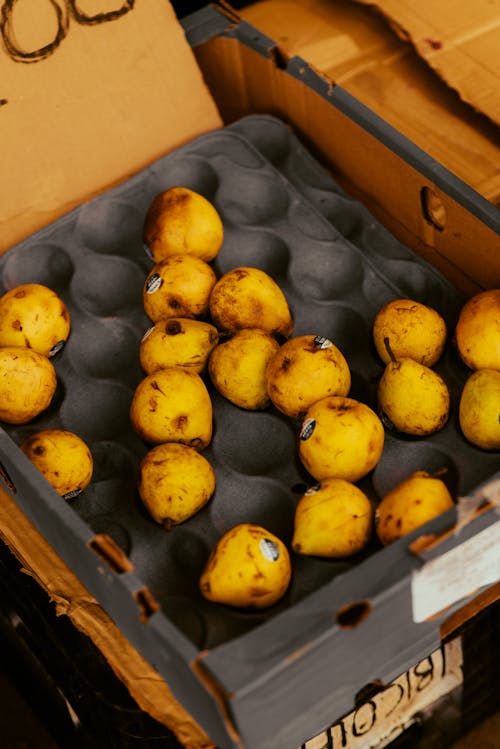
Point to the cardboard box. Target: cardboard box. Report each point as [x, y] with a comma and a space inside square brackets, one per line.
[281, 682]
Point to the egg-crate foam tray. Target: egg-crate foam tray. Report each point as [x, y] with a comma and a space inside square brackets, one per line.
[337, 265]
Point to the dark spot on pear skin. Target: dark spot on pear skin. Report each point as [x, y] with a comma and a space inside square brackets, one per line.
[173, 327]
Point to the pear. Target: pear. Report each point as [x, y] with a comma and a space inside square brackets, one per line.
[181, 221]
[237, 367]
[178, 342]
[28, 381]
[412, 398]
[63, 458]
[179, 286]
[332, 519]
[477, 332]
[247, 297]
[248, 568]
[172, 405]
[479, 409]
[415, 330]
[414, 501]
[35, 317]
[175, 482]
[304, 370]
[340, 438]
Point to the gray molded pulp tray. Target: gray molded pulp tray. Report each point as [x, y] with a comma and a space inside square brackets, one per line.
[286, 673]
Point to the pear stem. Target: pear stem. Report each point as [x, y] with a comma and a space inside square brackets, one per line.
[389, 350]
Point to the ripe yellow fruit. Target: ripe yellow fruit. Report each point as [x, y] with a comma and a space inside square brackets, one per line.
[28, 382]
[63, 458]
[479, 409]
[248, 568]
[413, 502]
[413, 398]
[248, 297]
[304, 370]
[175, 482]
[477, 332]
[35, 317]
[179, 286]
[181, 221]
[340, 438]
[414, 330]
[172, 405]
[237, 367]
[333, 519]
[177, 342]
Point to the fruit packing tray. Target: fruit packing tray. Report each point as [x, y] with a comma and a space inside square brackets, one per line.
[337, 266]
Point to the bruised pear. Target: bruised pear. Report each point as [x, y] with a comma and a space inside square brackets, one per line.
[479, 409]
[35, 317]
[340, 438]
[413, 399]
[172, 405]
[332, 519]
[181, 221]
[248, 568]
[414, 330]
[248, 297]
[477, 332]
[237, 367]
[63, 458]
[413, 502]
[179, 286]
[28, 381]
[177, 342]
[304, 370]
[175, 482]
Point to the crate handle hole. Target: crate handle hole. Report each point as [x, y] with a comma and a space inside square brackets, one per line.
[109, 551]
[147, 604]
[352, 614]
[4, 474]
[433, 209]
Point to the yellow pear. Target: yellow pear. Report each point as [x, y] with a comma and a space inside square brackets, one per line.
[414, 330]
[172, 405]
[63, 458]
[332, 519]
[237, 367]
[175, 482]
[248, 568]
[304, 370]
[477, 332]
[413, 398]
[178, 286]
[248, 297]
[479, 409]
[177, 342]
[28, 382]
[413, 502]
[35, 317]
[340, 438]
[180, 220]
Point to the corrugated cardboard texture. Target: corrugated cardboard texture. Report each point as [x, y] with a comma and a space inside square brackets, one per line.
[356, 49]
[460, 41]
[87, 101]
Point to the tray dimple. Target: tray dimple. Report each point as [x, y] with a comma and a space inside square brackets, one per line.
[337, 266]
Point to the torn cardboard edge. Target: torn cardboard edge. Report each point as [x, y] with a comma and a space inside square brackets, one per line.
[39, 560]
[459, 44]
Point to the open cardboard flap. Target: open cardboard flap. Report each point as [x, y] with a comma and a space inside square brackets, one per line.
[87, 100]
[355, 48]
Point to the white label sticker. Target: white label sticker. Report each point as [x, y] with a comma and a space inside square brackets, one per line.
[269, 550]
[457, 573]
[378, 721]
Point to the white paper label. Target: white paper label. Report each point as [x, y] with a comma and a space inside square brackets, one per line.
[378, 721]
[457, 573]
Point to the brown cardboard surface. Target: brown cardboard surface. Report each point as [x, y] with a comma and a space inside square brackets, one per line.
[356, 49]
[86, 102]
[72, 599]
[459, 40]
